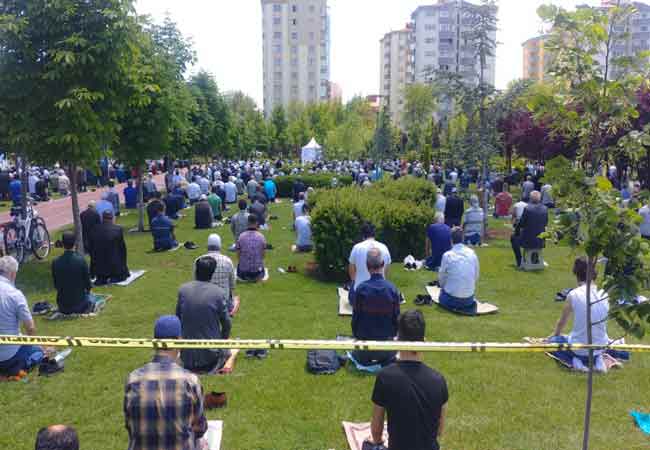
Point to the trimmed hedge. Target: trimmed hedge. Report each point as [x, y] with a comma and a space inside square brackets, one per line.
[401, 210]
[316, 181]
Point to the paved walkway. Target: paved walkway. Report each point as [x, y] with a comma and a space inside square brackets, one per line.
[58, 213]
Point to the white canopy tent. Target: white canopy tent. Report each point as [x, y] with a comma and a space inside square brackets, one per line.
[311, 152]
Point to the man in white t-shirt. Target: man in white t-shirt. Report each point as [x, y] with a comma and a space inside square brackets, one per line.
[358, 269]
[518, 211]
[576, 306]
[644, 228]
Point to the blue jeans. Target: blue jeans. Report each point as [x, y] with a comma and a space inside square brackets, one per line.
[473, 239]
[28, 356]
[462, 305]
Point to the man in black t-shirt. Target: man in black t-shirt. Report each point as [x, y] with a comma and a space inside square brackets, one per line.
[413, 395]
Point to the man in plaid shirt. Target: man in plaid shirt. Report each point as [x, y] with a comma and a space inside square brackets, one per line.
[251, 247]
[163, 403]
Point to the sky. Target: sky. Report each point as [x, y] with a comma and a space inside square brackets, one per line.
[227, 36]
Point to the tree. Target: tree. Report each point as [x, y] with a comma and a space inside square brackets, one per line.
[279, 130]
[382, 143]
[587, 103]
[419, 105]
[64, 69]
[211, 119]
[159, 107]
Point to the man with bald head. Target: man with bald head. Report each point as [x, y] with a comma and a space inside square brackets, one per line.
[375, 311]
[57, 437]
[532, 223]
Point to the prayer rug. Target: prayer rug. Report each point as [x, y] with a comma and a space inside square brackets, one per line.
[481, 307]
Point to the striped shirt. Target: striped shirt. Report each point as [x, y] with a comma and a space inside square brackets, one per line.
[163, 407]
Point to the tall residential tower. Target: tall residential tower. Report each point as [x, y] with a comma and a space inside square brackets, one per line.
[296, 42]
[396, 70]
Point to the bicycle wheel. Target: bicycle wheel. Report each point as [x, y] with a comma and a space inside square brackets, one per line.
[40, 239]
[14, 243]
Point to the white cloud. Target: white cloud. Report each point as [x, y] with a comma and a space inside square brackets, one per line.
[228, 37]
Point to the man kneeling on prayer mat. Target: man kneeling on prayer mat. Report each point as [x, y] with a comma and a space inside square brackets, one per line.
[72, 280]
[413, 396]
[14, 313]
[156, 416]
[375, 311]
[108, 252]
[251, 248]
[224, 273]
[576, 306]
[458, 274]
[202, 309]
[203, 216]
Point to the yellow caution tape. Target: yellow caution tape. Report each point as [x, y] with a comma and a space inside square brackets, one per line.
[280, 344]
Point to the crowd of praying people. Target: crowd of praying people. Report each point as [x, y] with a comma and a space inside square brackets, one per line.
[408, 393]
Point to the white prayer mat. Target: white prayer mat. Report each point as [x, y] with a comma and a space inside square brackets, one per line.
[212, 438]
[356, 433]
[135, 274]
[265, 278]
[481, 308]
[345, 309]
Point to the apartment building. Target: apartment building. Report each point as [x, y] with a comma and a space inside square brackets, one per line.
[396, 70]
[537, 60]
[440, 43]
[296, 49]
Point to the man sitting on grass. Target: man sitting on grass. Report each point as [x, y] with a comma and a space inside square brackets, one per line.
[458, 274]
[413, 395]
[239, 222]
[357, 269]
[258, 209]
[202, 309]
[156, 416]
[375, 311]
[251, 248]
[154, 205]
[162, 230]
[203, 216]
[72, 280]
[438, 242]
[576, 306]
[14, 312]
[304, 243]
[473, 222]
[224, 272]
[108, 252]
[215, 204]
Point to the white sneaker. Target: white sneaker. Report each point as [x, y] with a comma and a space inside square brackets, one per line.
[599, 364]
[578, 365]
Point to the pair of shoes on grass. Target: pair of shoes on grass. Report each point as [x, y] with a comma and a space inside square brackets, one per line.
[423, 300]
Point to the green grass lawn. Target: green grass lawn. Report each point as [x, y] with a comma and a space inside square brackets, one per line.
[497, 401]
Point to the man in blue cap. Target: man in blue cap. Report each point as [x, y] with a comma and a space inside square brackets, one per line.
[150, 404]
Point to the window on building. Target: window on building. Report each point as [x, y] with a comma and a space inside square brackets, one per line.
[312, 76]
[294, 62]
[277, 20]
[294, 8]
[429, 40]
[312, 35]
[446, 27]
[277, 75]
[277, 8]
[430, 13]
[294, 50]
[312, 9]
[444, 67]
[429, 27]
[644, 28]
[448, 41]
[277, 61]
[294, 91]
[294, 75]
[277, 49]
[430, 54]
[444, 13]
[312, 90]
[294, 35]
[311, 62]
[312, 49]
[294, 22]
[277, 35]
[323, 70]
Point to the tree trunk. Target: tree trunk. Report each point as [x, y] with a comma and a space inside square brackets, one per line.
[24, 186]
[140, 200]
[72, 171]
[591, 261]
[486, 198]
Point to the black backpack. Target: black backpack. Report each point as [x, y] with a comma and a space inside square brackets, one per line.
[323, 362]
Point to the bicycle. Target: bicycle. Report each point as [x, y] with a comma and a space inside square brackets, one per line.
[25, 235]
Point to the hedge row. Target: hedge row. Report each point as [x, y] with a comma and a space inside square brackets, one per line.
[316, 181]
[401, 211]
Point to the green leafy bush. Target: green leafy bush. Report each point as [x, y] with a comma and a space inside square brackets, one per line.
[316, 181]
[401, 211]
